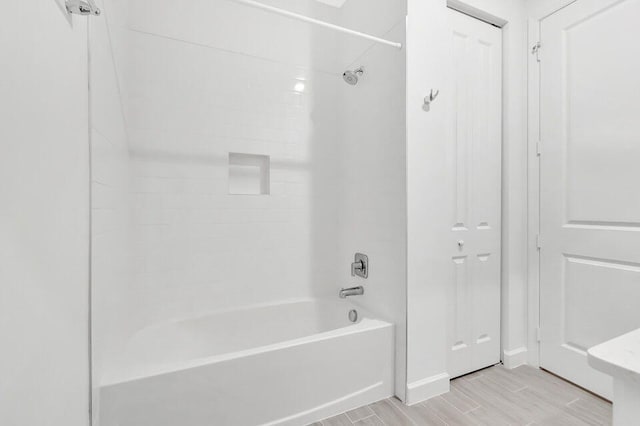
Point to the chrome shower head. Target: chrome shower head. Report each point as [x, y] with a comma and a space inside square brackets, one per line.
[351, 77]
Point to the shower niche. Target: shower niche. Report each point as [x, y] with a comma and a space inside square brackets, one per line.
[248, 174]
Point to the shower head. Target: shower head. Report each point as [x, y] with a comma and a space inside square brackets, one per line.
[351, 77]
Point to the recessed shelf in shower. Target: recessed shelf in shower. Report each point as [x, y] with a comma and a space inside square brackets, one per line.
[249, 174]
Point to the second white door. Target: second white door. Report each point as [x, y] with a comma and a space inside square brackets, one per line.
[475, 162]
[590, 173]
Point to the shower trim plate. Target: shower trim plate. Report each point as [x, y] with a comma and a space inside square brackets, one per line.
[360, 266]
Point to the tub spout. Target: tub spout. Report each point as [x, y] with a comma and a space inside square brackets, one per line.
[353, 291]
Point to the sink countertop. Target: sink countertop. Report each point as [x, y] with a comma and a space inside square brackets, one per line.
[618, 357]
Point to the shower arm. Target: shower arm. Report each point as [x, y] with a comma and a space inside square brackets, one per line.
[303, 18]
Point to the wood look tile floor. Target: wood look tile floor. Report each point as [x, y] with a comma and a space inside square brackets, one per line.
[494, 396]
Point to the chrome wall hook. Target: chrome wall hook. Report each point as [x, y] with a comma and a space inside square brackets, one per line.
[82, 7]
[428, 99]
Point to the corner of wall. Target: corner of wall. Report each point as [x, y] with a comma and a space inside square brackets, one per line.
[514, 358]
[427, 388]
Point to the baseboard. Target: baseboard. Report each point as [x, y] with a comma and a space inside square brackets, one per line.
[430, 387]
[514, 358]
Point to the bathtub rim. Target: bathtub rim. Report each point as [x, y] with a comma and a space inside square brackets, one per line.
[366, 323]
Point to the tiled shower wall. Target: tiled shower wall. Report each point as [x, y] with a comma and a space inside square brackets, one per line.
[169, 240]
[373, 209]
[215, 78]
[197, 247]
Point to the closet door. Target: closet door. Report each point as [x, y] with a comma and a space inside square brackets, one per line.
[475, 227]
[590, 177]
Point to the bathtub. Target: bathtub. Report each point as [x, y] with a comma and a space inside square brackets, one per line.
[289, 363]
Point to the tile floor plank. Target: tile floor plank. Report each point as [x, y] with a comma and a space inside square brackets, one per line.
[339, 420]
[546, 383]
[420, 414]
[461, 401]
[487, 417]
[390, 414]
[599, 412]
[472, 376]
[563, 418]
[370, 421]
[506, 378]
[495, 396]
[447, 412]
[360, 413]
[504, 410]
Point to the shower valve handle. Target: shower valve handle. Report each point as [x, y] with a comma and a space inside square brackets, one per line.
[360, 266]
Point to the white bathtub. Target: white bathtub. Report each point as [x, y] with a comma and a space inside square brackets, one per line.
[290, 363]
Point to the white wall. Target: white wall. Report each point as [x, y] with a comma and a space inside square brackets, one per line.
[428, 205]
[44, 216]
[428, 66]
[111, 252]
[538, 9]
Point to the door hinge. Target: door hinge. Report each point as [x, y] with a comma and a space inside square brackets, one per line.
[538, 148]
[538, 335]
[535, 50]
[538, 241]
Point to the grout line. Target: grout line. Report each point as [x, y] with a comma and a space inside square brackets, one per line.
[381, 421]
[346, 413]
[434, 411]
[572, 401]
[473, 409]
[457, 409]
[465, 414]
[453, 406]
[371, 415]
[395, 405]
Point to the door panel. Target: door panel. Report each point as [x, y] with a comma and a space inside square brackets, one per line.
[475, 227]
[590, 202]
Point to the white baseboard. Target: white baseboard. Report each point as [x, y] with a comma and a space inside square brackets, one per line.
[514, 358]
[430, 387]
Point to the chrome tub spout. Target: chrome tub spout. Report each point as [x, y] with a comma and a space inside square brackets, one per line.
[353, 291]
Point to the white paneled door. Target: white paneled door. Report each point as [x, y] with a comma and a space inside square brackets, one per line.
[590, 183]
[474, 333]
